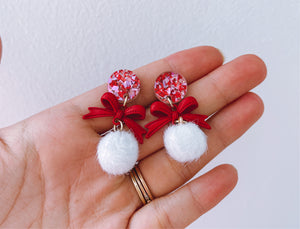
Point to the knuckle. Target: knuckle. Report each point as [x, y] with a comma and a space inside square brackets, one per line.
[199, 206]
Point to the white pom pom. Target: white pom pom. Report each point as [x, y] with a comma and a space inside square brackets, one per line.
[117, 152]
[185, 142]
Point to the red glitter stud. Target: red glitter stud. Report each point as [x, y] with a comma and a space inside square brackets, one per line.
[170, 85]
[124, 83]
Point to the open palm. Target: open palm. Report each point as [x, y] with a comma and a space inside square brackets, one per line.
[50, 176]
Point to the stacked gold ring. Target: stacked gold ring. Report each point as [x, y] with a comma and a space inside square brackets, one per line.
[140, 185]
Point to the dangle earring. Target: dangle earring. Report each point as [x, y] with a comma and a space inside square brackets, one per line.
[117, 151]
[183, 139]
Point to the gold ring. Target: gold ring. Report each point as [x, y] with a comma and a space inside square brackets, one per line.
[140, 185]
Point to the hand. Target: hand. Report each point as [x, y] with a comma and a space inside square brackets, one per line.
[50, 178]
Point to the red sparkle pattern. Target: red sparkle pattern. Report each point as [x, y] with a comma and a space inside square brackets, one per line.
[172, 85]
[124, 82]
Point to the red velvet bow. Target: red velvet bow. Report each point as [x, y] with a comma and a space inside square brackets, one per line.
[125, 114]
[168, 114]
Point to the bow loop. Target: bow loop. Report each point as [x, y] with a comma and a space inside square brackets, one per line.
[187, 105]
[110, 101]
[160, 109]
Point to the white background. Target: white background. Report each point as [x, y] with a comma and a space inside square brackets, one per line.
[54, 50]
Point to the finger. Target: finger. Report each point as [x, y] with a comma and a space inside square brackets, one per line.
[216, 90]
[228, 83]
[192, 63]
[163, 174]
[185, 205]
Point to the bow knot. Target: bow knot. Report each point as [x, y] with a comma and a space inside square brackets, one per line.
[166, 115]
[175, 116]
[118, 116]
[127, 115]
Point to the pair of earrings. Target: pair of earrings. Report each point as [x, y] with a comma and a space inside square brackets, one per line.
[117, 151]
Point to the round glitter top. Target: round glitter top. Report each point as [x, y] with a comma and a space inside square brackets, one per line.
[124, 83]
[172, 85]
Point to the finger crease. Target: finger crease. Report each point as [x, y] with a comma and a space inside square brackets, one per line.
[220, 92]
[198, 205]
[162, 216]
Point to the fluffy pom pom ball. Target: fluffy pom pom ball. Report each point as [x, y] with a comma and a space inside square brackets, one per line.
[117, 152]
[185, 142]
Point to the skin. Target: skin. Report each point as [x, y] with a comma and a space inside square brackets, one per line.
[49, 176]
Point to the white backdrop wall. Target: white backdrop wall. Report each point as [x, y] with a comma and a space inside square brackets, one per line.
[54, 50]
